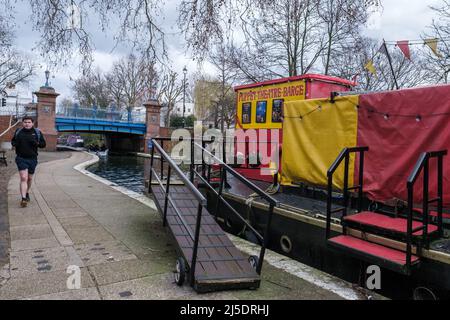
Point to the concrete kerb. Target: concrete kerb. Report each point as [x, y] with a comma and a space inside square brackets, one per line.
[316, 277]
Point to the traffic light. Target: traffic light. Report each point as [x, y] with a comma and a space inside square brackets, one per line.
[3, 102]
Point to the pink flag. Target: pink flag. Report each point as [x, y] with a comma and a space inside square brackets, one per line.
[404, 46]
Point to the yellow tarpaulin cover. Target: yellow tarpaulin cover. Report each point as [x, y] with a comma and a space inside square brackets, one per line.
[314, 134]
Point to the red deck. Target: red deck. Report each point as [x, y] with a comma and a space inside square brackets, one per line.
[372, 249]
[434, 214]
[384, 222]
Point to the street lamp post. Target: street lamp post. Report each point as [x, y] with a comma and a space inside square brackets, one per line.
[184, 96]
[47, 76]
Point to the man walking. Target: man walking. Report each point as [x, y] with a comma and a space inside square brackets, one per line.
[27, 140]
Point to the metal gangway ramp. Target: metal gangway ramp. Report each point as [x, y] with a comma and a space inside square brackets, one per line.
[207, 257]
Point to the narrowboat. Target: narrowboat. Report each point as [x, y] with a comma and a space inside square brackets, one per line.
[362, 180]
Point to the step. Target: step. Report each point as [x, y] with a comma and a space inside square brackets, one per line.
[374, 253]
[433, 213]
[385, 223]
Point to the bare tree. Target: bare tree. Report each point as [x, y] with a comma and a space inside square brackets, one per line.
[138, 79]
[115, 89]
[15, 67]
[342, 21]
[439, 67]
[170, 93]
[226, 77]
[63, 27]
[282, 37]
[92, 90]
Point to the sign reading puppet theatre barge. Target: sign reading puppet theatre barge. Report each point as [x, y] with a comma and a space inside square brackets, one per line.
[260, 105]
[397, 126]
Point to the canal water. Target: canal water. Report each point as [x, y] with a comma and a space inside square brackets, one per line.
[125, 171]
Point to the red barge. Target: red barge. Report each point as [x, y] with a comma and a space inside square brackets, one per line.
[364, 179]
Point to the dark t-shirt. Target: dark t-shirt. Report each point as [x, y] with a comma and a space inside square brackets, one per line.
[27, 143]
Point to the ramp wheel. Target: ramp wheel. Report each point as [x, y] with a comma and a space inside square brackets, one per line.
[180, 273]
[254, 261]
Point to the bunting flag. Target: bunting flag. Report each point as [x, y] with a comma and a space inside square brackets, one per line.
[404, 47]
[383, 50]
[371, 68]
[433, 43]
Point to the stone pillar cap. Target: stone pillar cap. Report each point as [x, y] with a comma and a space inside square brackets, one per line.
[46, 91]
[152, 103]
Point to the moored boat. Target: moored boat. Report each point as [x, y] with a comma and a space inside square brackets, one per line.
[363, 181]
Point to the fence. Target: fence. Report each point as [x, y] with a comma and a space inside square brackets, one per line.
[102, 114]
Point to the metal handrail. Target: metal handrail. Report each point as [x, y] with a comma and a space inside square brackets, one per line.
[202, 179]
[201, 201]
[197, 194]
[345, 155]
[177, 211]
[224, 169]
[241, 178]
[423, 165]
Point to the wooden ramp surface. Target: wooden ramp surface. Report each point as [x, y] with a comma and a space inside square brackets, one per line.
[220, 266]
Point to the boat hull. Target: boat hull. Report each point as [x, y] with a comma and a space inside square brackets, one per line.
[306, 236]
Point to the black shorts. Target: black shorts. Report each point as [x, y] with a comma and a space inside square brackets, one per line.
[26, 164]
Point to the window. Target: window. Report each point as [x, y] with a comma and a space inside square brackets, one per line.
[277, 111]
[261, 112]
[247, 113]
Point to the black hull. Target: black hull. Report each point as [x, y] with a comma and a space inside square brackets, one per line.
[309, 247]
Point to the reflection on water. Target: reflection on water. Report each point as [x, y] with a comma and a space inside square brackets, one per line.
[125, 171]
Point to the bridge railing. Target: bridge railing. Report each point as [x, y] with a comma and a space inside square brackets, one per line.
[101, 114]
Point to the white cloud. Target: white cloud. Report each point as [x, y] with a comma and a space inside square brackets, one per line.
[401, 19]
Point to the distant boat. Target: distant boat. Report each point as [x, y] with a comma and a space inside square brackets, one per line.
[102, 154]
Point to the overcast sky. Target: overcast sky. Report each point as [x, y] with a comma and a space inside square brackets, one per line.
[400, 20]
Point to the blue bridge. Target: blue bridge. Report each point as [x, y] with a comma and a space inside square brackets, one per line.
[100, 121]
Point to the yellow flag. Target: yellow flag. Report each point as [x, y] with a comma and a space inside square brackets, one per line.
[433, 43]
[371, 68]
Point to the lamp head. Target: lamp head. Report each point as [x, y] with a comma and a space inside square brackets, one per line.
[47, 76]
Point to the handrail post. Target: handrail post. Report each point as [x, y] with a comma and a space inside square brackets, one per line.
[329, 203]
[224, 157]
[361, 181]
[410, 225]
[196, 242]
[266, 241]
[192, 167]
[425, 208]
[152, 161]
[166, 200]
[440, 194]
[219, 198]
[203, 159]
[346, 195]
[162, 161]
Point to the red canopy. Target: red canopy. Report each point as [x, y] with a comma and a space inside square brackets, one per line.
[398, 126]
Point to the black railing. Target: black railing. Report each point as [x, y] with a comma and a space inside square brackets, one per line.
[345, 156]
[423, 165]
[197, 145]
[173, 168]
[224, 170]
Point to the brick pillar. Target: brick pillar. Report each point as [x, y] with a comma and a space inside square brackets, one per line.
[46, 114]
[152, 119]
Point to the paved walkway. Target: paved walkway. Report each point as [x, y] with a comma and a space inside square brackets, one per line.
[118, 242]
